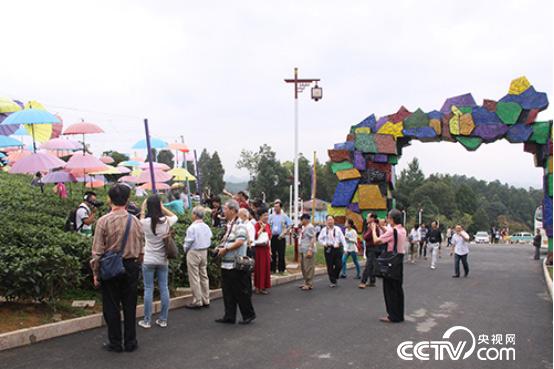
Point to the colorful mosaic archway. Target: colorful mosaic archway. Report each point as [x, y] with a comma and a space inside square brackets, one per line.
[365, 162]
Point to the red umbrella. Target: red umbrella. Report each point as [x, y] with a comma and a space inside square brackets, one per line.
[179, 147]
[57, 127]
[37, 162]
[82, 128]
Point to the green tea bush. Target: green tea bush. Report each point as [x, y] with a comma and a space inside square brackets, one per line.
[39, 261]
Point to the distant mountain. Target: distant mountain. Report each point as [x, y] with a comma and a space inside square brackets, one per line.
[235, 179]
[235, 187]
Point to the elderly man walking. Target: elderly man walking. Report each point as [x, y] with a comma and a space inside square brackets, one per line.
[235, 284]
[197, 241]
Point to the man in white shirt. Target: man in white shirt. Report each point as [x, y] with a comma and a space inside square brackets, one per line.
[334, 243]
[85, 216]
[461, 250]
[414, 239]
[197, 242]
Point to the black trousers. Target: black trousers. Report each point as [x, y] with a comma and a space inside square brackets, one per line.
[394, 298]
[278, 248]
[422, 248]
[371, 264]
[237, 290]
[333, 259]
[457, 259]
[118, 294]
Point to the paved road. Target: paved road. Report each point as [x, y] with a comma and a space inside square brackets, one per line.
[338, 328]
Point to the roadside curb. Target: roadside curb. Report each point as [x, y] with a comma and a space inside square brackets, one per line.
[547, 277]
[28, 336]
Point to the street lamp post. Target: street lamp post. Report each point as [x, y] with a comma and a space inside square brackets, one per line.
[420, 211]
[404, 213]
[317, 94]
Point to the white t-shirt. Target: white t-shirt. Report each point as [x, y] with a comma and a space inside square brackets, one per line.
[460, 244]
[154, 248]
[351, 237]
[82, 213]
[414, 235]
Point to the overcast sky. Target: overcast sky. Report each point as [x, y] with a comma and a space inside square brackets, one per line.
[213, 71]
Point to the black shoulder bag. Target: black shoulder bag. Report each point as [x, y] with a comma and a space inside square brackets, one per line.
[111, 263]
[390, 263]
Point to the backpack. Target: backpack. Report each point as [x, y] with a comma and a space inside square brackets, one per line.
[71, 221]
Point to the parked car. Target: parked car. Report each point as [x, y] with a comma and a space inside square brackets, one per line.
[482, 237]
[521, 237]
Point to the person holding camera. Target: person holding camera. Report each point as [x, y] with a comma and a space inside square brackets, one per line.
[85, 216]
[372, 251]
[332, 239]
[235, 283]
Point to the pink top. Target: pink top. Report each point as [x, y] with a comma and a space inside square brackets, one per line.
[62, 191]
[388, 237]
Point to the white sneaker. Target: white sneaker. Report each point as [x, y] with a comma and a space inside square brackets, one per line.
[161, 323]
[433, 267]
[144, 324]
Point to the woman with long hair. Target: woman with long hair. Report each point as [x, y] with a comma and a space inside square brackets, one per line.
[156, 222]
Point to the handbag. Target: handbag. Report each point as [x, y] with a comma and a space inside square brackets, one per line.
[244, 263]
[111, 263]
[170, 246]
[389, 265]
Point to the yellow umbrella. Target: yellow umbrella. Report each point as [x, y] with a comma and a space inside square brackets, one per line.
[136, 172]
[8, 105]
[181, 174]
[110, 170]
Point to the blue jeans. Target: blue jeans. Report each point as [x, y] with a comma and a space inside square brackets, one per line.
[354, 255]
[148, 272]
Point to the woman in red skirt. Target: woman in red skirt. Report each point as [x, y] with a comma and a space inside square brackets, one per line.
[262, 267]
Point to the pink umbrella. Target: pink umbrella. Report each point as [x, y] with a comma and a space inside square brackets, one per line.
[14, 156]
[60, 153]
[106, 159]
[60, 144]
[95, 184]
[85, 162]
[57, 127]
[129, 179]
[123, 170]
[82, 128]
[157, 166]
[159, 186]
[37, 162]
[59, 176]
[160, 176]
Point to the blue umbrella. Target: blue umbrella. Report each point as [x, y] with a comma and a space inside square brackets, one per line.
[2, 155]
[6, 141]
[155, 143]
[21, 131]
[31, 116]
[130, 163]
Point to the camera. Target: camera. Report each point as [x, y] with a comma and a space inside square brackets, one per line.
[97, 204]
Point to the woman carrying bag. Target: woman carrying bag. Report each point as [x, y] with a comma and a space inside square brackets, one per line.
[156, 223]
[395, 239]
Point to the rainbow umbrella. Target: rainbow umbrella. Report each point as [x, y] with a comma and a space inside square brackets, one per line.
[32, 117]
[8, 105]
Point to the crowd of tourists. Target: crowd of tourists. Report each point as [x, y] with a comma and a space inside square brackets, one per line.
[128, 242]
